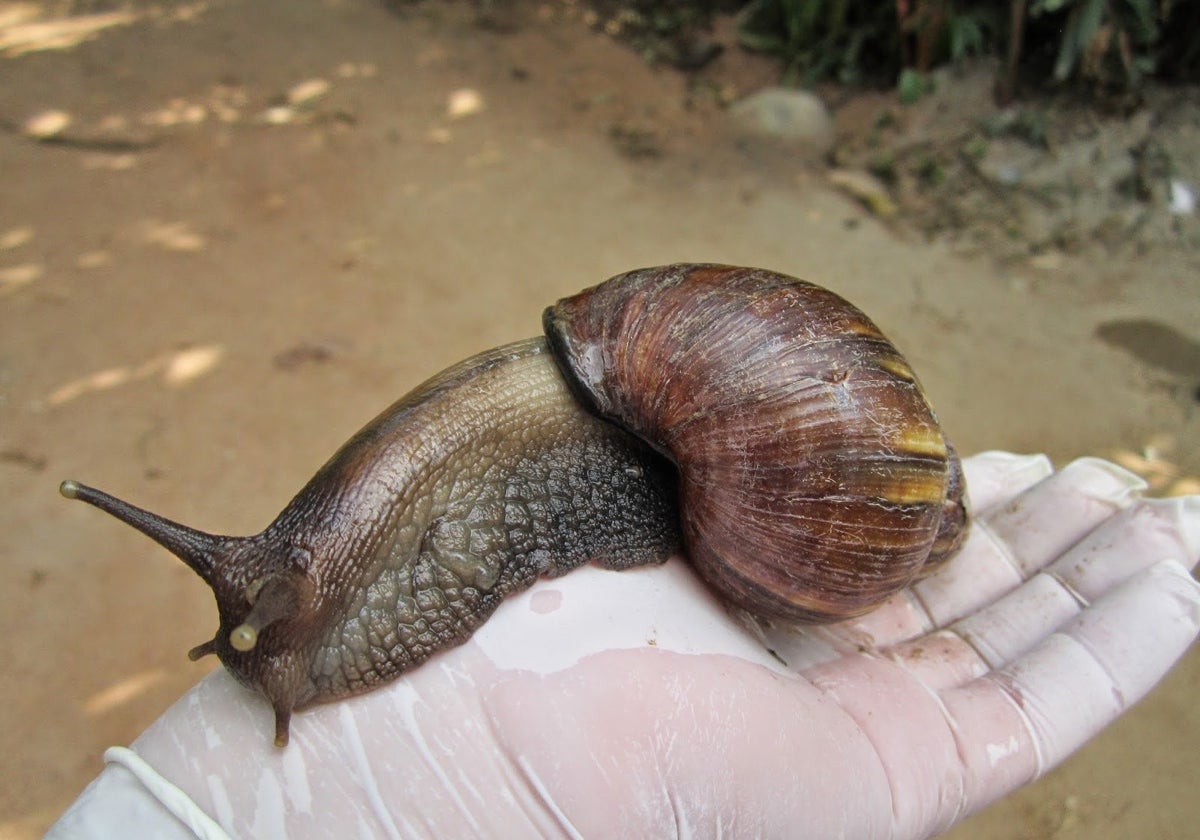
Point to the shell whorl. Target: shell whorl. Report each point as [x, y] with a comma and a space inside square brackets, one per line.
[814, 475]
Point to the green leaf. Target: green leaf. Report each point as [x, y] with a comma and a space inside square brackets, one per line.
[1082, 26]
[1147, 25]
[911, 86]
[966, 37]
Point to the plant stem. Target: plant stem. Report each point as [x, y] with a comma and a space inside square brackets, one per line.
[1006, 85]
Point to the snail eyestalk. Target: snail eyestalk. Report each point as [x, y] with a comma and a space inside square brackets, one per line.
[274, 598]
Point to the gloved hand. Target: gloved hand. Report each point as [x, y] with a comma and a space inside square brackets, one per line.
[632, 704]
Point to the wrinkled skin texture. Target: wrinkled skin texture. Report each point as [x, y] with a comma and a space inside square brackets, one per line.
[633, 704]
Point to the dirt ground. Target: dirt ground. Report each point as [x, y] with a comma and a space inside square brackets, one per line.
[231, 232]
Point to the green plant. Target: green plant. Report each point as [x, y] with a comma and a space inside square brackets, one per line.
[1110, 42]
[912, 85]
[859, 42]
[822, 38]
[969, 34]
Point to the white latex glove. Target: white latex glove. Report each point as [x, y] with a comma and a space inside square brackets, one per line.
[632, 704]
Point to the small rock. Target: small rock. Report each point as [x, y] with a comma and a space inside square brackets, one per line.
[794, 117]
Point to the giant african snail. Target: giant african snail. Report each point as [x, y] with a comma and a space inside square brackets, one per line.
[811, 475]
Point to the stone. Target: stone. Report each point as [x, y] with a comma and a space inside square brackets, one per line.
[795, 118]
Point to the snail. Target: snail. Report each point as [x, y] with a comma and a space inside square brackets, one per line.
[759, 423]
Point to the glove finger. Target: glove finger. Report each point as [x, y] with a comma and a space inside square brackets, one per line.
[1025, 534]
[1152, 531]
[1021, 534]
[994, 477]
[1015, 724]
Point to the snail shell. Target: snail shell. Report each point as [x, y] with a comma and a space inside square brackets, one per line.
[815, 479]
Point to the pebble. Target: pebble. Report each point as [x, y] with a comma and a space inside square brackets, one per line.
[793, 117]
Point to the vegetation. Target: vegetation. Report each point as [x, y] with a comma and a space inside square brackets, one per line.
[1108, 46]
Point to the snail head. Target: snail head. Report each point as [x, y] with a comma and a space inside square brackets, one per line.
[265, 597]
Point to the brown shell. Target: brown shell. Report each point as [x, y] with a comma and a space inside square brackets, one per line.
[815, 479]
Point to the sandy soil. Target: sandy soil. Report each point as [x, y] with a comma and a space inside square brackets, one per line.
[206, 285]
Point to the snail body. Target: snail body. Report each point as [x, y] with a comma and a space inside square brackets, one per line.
[762, 423]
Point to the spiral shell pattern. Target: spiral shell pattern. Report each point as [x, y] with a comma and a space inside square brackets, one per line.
[815, 480]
